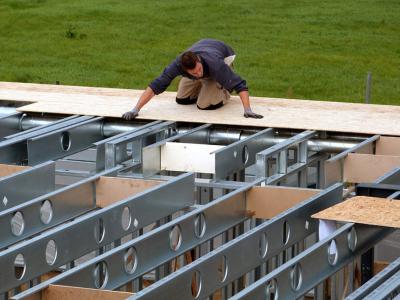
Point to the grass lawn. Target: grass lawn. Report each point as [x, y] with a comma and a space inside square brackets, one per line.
[296, 49]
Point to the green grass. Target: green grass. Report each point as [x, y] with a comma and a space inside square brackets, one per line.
[298, 49]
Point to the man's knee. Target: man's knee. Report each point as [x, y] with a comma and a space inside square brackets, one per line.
[186, 101]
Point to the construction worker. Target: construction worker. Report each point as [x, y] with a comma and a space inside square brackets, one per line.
[207, 79]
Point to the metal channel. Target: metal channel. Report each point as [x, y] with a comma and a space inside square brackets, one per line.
[101, 145]
[251, 249]
[95, 229]
[7, 122]
[281, 152]
[65, 141]
[156, 247]
[375, 282]
[20, 187]
[23, 135]
[387, 290]
[13, 149]
[240, 154]
[366, 146]
[48, 210]
[302, 273]
[117, 149]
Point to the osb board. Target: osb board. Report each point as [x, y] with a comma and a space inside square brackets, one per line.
[111, 189]
[59, 292]
[6, 170]
[268, 201]
[285, 113]
[364, 210]
[388, 145]
[367, 167]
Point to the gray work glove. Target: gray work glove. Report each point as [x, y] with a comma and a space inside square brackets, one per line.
[248, 113]
[130, 115]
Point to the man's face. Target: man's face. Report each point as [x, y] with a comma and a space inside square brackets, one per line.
[197, 71]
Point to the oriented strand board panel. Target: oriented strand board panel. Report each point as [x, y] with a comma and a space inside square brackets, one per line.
[268, 201]
[284, 113]
[187, 157]
[6, 170]
[112, 189]
[364, 210]
[60, 292]
[367, 167]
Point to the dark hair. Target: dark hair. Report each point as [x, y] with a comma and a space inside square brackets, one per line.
[189, 60]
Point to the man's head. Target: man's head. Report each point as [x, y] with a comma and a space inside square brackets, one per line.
[191, 64]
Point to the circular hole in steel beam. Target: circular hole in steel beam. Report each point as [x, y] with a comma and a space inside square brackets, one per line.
[223, 268]
[99, 230]
[100, 275]
[196, 284]
[19, 266]
[17, 223]
[175, 238]
[200, 225]
[352, 239]
[286, 232]
[296, 277]
[65, 141]
[126, 218]
[271, 290]
[51, 252]
[46, 212]
[130, 260]
[245, 154]
[332, 253]
[263, 245]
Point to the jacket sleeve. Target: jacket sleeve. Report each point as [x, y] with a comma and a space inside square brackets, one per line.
[229, 79]
[161, 83]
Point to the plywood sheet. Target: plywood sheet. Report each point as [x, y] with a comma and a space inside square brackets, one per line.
[367, 167]
[268, 201]
[6, 170]
[364, 210]
[284, 113]
[111, 189]
[60, 292]
[187, 157]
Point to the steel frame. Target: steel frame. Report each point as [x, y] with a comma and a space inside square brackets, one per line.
[210, 211]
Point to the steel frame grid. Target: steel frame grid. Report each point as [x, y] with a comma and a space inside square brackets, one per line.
[219, 182]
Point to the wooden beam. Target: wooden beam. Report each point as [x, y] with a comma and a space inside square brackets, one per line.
[62, 292]
[387, 145]
[112, 189]
[364, 210]
[368, 167]
[6, 170]
[268, 201]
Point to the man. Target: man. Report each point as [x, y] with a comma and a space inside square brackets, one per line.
[207, 79]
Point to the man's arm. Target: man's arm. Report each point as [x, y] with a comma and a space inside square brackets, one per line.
[231, 81]
[248, 113]
[144, 98]
[157, 86]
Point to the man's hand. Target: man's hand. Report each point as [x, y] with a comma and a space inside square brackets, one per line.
[130, 115]
[248, 113]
